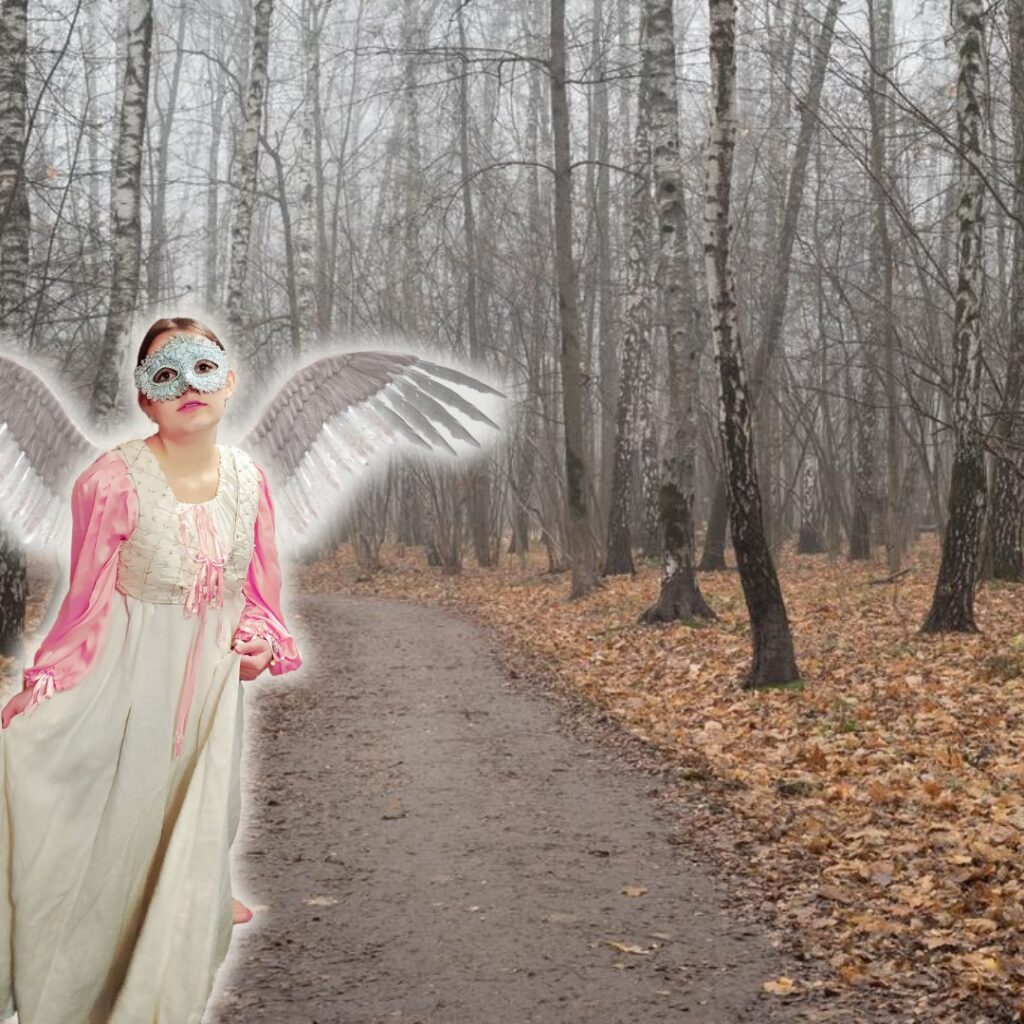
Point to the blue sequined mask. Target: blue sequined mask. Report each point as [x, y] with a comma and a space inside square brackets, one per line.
[184, 361]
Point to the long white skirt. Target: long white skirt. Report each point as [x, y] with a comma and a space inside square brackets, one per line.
[117, 902]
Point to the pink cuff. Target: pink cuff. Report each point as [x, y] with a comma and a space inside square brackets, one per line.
[43, 686]
[284, 656]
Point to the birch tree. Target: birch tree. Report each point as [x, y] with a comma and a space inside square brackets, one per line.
[878, 336]
[618, 547]
[247, 163]
[773, 661]
[304, 319]
[158, 267]
[952, 608]
[15, 221]
[15, 224]
[538, 235]
[778, 289]
[211, 250]
[581, 548]
[126, 226]
[476, 475]
[1007, 519]
[680, 596]
[881, 318]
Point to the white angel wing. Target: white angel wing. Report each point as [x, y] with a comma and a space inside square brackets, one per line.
[42, 451]
[339, 415]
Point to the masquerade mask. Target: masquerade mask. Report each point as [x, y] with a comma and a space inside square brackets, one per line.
[184, 361]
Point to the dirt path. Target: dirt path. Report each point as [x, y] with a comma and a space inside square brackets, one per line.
[426, 840]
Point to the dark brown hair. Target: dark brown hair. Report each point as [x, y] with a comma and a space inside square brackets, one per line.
[172, 323]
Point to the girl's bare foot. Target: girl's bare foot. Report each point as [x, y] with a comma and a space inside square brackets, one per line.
[240, 913]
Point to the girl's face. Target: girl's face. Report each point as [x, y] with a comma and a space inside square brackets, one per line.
[192, 411]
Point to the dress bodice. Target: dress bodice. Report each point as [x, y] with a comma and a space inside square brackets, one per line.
[154, 564]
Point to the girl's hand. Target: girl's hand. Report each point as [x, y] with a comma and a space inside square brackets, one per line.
[15, 706]
[256, 655]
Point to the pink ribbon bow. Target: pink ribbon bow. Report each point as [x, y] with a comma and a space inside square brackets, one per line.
[207, 588]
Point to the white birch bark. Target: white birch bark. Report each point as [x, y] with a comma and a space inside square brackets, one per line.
[15, 216]
[126, 227]
[247, 164]
[679, 596]
[304, 328]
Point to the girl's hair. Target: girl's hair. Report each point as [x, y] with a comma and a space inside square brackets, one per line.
[181, 323]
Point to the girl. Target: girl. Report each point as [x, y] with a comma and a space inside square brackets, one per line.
[120, 757]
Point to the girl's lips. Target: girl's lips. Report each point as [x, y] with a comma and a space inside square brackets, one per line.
[191, 405]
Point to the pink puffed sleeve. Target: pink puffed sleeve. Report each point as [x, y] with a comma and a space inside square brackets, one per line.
[104, 511]
[262, 590]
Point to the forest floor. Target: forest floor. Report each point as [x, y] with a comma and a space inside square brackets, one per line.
[874, 819]
[514, 807]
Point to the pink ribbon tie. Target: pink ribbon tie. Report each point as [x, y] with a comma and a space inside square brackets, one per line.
[207, 588]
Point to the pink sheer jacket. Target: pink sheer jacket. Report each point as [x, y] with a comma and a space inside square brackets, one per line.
[104, 510]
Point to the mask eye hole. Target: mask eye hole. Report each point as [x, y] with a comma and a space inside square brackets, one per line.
[206, 366]
[161, 376]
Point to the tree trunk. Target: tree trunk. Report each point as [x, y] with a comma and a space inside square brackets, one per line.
[865, 456]
[126, 224]
[526, 452]
[412, 182]
[774, 661]
[15, 223]
[477, 479]
[581, 548]
[680, 596]
[247, 164]
[158, 263]
[648, 484]
[304, 321]
[15, 219]
[1007, 516]
[713, 557]
[211, 247]
[618, 547]
[810, 541]
[881, 334]
[952, 607]
[606, 288]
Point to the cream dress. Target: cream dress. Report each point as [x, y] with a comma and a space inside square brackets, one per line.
[118, 852]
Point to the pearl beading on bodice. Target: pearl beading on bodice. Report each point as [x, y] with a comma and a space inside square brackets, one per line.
[154, 564]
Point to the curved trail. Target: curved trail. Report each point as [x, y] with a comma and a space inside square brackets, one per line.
[424, 840]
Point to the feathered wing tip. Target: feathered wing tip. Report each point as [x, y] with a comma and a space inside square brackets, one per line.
[42, 450]
[338, 417]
